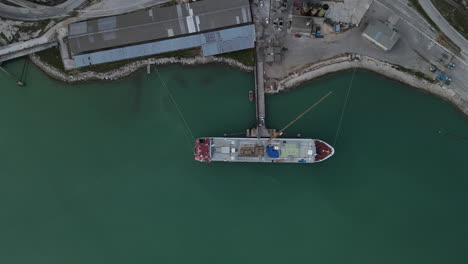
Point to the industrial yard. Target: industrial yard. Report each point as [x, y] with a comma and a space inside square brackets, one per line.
[233, 131]
[290, 38]
[390, 32]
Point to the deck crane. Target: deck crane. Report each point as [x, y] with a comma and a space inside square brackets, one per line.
[279, 133]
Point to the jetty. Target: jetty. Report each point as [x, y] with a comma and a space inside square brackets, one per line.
[260, 130]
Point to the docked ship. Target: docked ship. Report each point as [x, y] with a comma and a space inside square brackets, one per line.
[283, 150]
[264, 149]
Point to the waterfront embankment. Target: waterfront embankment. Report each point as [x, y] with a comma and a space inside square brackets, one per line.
[315, 70]
[130, 68]
[342, 63]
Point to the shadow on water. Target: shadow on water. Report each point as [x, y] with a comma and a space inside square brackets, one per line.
[179, 80]
[136, 91]
[206, 80]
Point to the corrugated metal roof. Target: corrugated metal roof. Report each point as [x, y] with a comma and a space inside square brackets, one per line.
[212, 43]
[381, 34]
[157, 24]
[230, 40]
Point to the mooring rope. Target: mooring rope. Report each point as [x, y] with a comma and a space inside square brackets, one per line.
[25, 64]
[175, 103]
[344, 108]
[448, 133]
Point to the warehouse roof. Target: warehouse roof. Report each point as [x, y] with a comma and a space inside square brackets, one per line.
[211, 43]
[157, 23]
[381, 35]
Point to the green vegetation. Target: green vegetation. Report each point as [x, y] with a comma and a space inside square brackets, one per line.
[423, 13]
[169, 3]
[49, 2]
[246, 57]
[52, 57]
[3, 37]
[36, 26]
[418, 74]
[188, 53]
[456, 14]
[442, 38]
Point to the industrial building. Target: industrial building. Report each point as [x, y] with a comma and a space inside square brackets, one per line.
[347, 11]
[215, 26]
[305, 17]
[381, 35]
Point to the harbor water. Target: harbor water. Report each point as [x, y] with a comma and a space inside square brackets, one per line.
[103, 172]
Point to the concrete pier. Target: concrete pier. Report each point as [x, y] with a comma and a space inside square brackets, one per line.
[261, 130]
[24, 48]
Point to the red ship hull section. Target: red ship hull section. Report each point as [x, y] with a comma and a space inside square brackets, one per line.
[202, 150]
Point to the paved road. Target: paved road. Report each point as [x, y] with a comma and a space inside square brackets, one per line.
[103, 8]
[114, 7]
[448, 30]
[36, 14]
[417, 48]
[26, 4]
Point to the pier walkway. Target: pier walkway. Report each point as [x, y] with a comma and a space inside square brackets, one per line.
[260, 130]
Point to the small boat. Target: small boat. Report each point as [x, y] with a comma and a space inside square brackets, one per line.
[251, 96]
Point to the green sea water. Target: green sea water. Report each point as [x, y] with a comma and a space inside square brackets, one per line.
[103, 172]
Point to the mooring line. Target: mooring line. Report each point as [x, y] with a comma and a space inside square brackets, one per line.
[24, 69]
[448, 133]
[175, 103]
[344, 108]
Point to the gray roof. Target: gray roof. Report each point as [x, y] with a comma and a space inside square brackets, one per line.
[299, 24]
[381, 34]
[212, 43]
[156, 24]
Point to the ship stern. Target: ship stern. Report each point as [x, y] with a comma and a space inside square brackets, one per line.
[201, 150]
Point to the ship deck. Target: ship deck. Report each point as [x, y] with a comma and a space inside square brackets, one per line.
[288, 150]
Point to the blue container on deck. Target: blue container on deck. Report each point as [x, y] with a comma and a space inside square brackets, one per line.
[272, 152]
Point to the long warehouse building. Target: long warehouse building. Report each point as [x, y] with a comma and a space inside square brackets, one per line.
[215, 26]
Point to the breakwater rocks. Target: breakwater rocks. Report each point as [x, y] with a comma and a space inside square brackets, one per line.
[129, 68]
[342, 63]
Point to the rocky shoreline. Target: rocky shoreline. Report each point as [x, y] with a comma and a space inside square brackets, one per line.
[315, 70]
[130, 68]
[343, 63]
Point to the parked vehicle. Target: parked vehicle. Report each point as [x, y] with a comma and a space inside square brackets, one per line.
[297, 35]
[432, 69]
[448, 81]
[441, 76]
[318, 32]
[452, 66]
